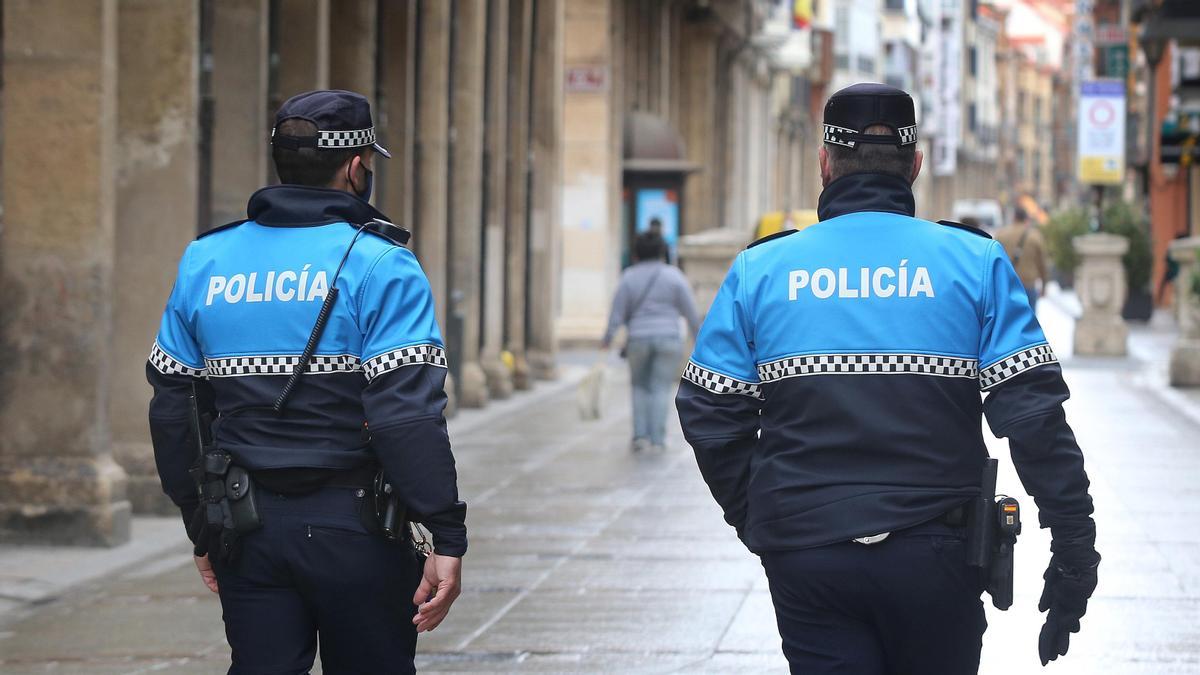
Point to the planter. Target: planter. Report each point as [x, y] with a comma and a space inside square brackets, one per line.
[1139, 306]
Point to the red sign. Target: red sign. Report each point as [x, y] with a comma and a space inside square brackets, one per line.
[586, 79]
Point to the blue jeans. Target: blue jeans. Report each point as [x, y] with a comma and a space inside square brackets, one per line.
[654, 372]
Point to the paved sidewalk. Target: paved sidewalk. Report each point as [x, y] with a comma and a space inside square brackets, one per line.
[586, 558]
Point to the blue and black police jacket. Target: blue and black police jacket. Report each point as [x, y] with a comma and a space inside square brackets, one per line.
[834, 390]
[242, 309]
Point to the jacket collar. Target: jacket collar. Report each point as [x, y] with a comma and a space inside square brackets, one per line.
[301, 206]
[866, 192]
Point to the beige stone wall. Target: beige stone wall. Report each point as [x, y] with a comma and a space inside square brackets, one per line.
[591, 230]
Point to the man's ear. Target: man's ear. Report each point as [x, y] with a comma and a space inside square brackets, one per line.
[823, 160]
[916, 168]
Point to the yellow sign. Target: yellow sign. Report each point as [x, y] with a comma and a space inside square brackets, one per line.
[1100, 171]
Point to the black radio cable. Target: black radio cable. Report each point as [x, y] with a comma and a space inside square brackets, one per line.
[314, 338]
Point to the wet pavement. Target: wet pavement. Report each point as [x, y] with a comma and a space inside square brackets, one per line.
[587, 558]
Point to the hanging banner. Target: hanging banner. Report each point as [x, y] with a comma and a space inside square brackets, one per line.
[1101, 138]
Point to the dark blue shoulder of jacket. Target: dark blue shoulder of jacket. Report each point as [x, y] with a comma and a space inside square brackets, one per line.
[967, 228]
[769, 237]
[383, 229]
[222, 228]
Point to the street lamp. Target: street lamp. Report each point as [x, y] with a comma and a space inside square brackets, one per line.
[1153, 47]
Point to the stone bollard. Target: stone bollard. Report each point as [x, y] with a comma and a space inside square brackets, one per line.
[1100, 282]
[706, 257]
[1184, 367]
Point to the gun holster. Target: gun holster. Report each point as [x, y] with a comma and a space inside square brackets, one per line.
[992, 528]
[228, 500]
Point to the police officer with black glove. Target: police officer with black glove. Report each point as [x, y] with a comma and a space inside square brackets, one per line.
[833, 402]
[306, 333]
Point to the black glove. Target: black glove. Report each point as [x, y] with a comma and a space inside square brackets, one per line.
[1065, 596]
[196, 525]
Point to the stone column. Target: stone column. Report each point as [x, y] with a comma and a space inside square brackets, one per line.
[156, 196]
[520, 46]
[698, 90]
[303, 46]
[432, 147]
[1100, 281]
[1185, 355]
[499, 382]
[58, 480]
[546, 199]
[352, 39]
[240, 131]
[395, 109]
[466, 118]
[588, 249]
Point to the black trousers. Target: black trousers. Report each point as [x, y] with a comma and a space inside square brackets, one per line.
[314, 570]
[908, 605]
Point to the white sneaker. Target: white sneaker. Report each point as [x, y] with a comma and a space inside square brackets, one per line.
[658, 448]
[639, 445]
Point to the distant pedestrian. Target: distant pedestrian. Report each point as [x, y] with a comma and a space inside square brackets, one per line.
[650, 299]
[1026, 248]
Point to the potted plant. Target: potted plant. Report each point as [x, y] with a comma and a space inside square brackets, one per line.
[1121, 218]
[1058, 232]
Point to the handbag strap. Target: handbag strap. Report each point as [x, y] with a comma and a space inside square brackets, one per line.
[1021, 246]
[642, 298]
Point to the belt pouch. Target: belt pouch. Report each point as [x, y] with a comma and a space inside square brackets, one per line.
[243, 502]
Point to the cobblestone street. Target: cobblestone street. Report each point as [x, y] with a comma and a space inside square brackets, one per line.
[586, 558]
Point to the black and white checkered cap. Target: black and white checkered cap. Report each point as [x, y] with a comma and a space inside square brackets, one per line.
[342, 118]
[853, 110]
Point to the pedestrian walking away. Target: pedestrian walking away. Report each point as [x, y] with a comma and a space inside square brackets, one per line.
[298, 380]
[1026, 247]
[834, 405]
[651, 298]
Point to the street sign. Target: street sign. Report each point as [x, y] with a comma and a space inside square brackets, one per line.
[1101, 140]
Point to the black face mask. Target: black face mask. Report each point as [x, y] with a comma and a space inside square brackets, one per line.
[365, 195]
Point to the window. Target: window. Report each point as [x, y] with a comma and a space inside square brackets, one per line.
[894, 4]
[866, 65]
[971, 117]
[972, 60]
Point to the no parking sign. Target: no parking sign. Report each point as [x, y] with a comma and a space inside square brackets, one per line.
[1101, 132]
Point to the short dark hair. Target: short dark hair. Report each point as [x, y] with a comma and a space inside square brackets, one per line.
[308, 166]
[649, 246]
[1020, 215]
[872, 157]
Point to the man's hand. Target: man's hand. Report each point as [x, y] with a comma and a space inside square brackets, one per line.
[207, 575]
[438, 590]
[1065, 596]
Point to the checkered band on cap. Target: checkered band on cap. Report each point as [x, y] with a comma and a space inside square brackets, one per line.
[169, 365]
[908, 135]
[868, 364]
[415, 355]
[281, 364]
[836, 135]
[345, 139]
[718, 383]
[1008, 368]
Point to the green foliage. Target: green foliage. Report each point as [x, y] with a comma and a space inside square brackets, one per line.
[1119, 218]
[1058, 231]
[1123, 219]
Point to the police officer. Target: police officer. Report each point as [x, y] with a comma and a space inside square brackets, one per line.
[833, 403]
[369, 396]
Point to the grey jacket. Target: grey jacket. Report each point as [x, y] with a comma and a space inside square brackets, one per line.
[658, 315]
